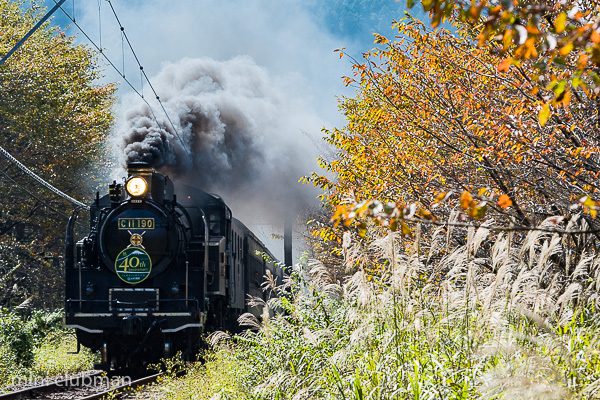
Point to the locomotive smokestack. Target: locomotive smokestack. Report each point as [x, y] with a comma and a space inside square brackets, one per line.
[139, 168]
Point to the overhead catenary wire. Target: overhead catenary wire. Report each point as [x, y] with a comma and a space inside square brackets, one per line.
[41, 181]
[34, 176]
[143, 74]
[112, 64]
[137, 60]
[37, 198]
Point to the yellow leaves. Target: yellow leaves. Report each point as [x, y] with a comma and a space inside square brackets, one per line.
[483, 192]
[544, 114]
[440, 197]
[348, 80]
[475, 209]
[590, 206]
[504, 201]
[566, 49]
[595, 36]
[406, 231]
[560, 22]
[380, 39]
[478, 211]
[342, 215]
[430, 117]
[507, 39]
[529, 48]
[564, 99]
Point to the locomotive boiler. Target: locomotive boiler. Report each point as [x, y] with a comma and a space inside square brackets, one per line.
[159, 266]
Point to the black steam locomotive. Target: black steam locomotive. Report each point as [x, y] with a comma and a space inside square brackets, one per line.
[157, 269]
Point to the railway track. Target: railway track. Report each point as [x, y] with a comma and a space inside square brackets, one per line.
[83, 387]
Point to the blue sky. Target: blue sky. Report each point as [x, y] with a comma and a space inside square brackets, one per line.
[293, 40]
[350, 19]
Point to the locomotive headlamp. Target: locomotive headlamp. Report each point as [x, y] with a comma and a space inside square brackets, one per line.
[136, 186]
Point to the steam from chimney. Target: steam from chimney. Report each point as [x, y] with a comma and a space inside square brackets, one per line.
[238, 135]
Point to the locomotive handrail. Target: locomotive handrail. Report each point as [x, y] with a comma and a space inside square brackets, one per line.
[70, 302]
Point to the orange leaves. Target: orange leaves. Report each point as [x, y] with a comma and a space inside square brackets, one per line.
[440, 197]
[477, 208]
[504, 201]
[466, 200]
[340, 51]
[433, 122]
[566, 49]
[393, 216]
[348, 80]
[473, 208]
[547, 41]
[504, 66]
[528, 49]
[380, 39]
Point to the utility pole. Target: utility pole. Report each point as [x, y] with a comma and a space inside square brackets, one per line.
[287, 240]
[31, 31]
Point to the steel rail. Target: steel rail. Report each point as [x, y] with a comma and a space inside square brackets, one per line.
[53, 385]
[117, 392]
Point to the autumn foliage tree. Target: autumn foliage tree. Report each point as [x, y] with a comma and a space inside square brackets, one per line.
[442, 121]
[54, 117]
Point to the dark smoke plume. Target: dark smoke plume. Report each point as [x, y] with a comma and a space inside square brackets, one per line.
[237, 135]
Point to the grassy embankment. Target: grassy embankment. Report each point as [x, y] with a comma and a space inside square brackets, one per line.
[37, 347]
[493, 316]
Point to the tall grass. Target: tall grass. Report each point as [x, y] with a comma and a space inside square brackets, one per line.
[470, 315]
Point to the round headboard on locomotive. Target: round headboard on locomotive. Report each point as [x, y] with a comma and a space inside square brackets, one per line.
[139, 239]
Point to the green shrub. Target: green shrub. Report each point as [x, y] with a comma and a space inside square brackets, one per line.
[42, 323]
[15, 336]
[38, 347]
[9, 366]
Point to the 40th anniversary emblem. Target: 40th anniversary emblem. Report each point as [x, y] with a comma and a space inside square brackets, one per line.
[133, 265]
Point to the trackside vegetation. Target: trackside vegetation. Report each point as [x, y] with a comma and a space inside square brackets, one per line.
[36, 346]
[496, 317]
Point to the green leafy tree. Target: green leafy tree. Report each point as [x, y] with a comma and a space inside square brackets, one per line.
[54, 117]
